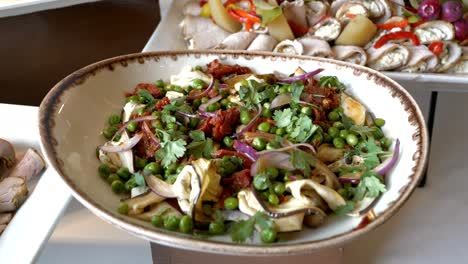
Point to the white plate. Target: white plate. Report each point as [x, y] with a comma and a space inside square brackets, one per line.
[49, 196]
[169, 37]
[19, 7]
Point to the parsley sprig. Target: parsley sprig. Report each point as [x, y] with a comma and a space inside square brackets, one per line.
[200, 145]
[171, 150]
[244, 229]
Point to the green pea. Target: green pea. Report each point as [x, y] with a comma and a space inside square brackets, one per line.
[123, 173]
[104, 170]
[130, 184]
[228, 141]
[327, 138]
[109, 132]
[289, 129]
[386, 142]
[333, 116]
[216, 228]
[198, 84]
[152, 168]
[224, 94]
[279, 188]
[141, 99]
[259, 143]
[260, 182]
[185, 224]
[197, 103]
[333, 132]
[377, 132]
[344, 133]
[178, 89]
[123, 208]
[268, 235]
[114, 120]
[171, 223]
[230, 105]
[204, 100]
[193, 122]
[379, 122]
[280, 131]
[140, 163]
[224, 102]
[266, 112]
[113, 177]
[231, 203]
[338, 125]
[140, 111]
[172, 126]
[306, 110]
[133, 99]
[157, 124]
[273, 145]
[213, 107]
[156, 114]
[352, 139]
[273, 199]
[338, 143]
[272, 172]
[160, 83]
[157, 220]
[264, 127]
[317, 138]
[171, 169]
[272, 130]
[282, 90]
[132, 126]
[117, 186]
[245, 117]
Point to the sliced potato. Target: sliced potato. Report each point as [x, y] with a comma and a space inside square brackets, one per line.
[222, 17]
[358, 32]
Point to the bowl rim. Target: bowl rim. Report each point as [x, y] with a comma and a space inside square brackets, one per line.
[47, 113]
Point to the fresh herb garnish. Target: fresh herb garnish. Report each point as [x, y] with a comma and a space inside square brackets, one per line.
[296, 91]
[345, 209]
[244, 229]
[303, 129]
[283, 117]
[200, 145]
[170, 149]
[252, 93]
[139, 179]
[302, 160]
[150, 101]
[331, 82]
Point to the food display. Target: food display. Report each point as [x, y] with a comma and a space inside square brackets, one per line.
[218, 149]
[406, 36]
[14, 177]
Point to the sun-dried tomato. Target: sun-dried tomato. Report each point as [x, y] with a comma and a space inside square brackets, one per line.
[145, 148]
[224, 123]
[241, 179]
[219, 70]
[206, 126]
[151, 88]
[161, 103]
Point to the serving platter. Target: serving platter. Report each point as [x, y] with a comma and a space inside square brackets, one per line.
[19, 7]
[168, 37]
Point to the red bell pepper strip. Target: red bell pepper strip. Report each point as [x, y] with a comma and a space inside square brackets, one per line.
[248, 16]
[436, 47]
[350, 15]
[399, 24]
[236, 16]
[397, 35]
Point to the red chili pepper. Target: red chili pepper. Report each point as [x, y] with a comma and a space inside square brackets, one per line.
[248, 16]
[349, 15]
[436, 47]
[236, 17]
[396, 35]
[297, 30]
[399, 24]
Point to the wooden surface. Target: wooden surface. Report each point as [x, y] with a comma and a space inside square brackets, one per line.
[37, 50]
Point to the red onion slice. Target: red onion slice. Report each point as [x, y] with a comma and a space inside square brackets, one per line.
[138, 119]
[250, 124]
[302, 77]
[245, 149]
[150, 134]
[349, 180]
[200, 116]
[211, 101]
[289, 147]
[207, 90]
[280, 100]
[389, 163]
[124, 146]
[222, 86]
[275, 160]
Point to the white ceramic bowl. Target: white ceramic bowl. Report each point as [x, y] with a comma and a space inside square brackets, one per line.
[74, 112]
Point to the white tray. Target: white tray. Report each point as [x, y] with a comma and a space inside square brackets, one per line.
[35, 220]
[19, 7]
[169, 37]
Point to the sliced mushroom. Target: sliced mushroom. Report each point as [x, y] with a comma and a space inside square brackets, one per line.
[421, 60]
[7, 156]
[5, 218]
[462, 65]
[237, 41]
[451, 54]
[263, 42]
[292, 47]
[138, 204]
[331, 197]
[350, 9]
[328, 154]
[317, 47]
[388, 57]
[328, 29]
[353, 109]
[163, 209]
[295, 12]
[437, 30]
[315, 11]
[202, 33]
[353, 54]
[29, 166]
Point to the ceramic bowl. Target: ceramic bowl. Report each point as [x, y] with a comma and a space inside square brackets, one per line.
[74, 112]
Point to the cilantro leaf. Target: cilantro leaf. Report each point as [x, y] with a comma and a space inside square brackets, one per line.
[170, 150]
[266, 95]
[263, 221]
[197, 135]
[302, 160]
[331, 82]
[373, 185]
[200, 147]
[296, 91]
[344, 209]
[151, 102]
[167, 118]
[283, 118]
[304, 128]
[370, 152]
[244, 229]
[139, 179]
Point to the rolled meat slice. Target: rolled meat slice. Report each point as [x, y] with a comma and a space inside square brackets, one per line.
[328, 29]
[192, 8]
[421, 60]
[237, 41]
[461, 67]
[397, 7]
[29, 166]
[202, 33]
[263, 42]
[348, 10]
[335, 5]
[388, 57]
[353, 54]
[317, 47]
[315, 11]
[450, 56]
[380, 10]
[437, 30]
[295, 12]
[292, 47]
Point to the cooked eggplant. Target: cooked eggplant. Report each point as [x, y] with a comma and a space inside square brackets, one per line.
[330, 196]
[380, 10]
[353, 54]
[437, 30]
[138, 204]
[388, 57]
[353, 109]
